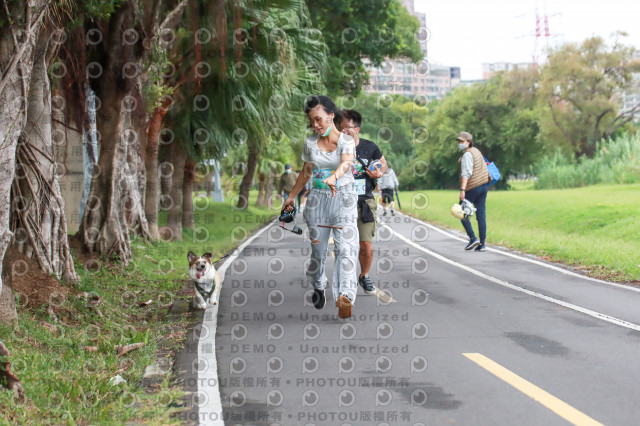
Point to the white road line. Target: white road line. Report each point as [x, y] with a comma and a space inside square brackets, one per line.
[210, 403]
[577, 308]
[526, 259]
[383, 296]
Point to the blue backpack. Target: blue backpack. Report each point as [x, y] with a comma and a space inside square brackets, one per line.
[493, 171]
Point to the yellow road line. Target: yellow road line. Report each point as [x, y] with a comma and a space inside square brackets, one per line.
[554, 404]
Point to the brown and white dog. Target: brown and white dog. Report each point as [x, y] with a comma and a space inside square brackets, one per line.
[205, 278]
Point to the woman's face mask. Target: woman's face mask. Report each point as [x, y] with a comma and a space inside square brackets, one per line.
[325, 134]
[462, 146]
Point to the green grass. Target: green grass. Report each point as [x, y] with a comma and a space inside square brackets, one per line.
[219, 227]
[520, 185]
[594, 228]
[66, 384]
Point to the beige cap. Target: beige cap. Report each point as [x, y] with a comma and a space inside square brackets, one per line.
[465, 136]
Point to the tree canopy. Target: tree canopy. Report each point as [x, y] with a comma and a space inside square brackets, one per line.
[579, 90]
[353, 29]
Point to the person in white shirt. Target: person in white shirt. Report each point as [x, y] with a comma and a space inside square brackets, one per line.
[331, 205]
[387, 184]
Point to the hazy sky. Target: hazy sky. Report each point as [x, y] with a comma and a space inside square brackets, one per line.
[467, 33]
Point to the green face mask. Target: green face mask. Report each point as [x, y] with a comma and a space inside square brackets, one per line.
[325, 134]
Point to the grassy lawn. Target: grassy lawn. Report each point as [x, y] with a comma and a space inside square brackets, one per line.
[219, 227]
[65, 362]
[594, 228]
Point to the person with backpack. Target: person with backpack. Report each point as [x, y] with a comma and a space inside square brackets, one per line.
[474, 184]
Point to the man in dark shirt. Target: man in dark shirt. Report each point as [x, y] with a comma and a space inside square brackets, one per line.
[365, 179]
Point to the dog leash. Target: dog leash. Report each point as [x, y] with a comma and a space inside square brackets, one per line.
[220, 258]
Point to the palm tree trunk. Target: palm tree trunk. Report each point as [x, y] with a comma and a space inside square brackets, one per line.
[187, 194]
[115, 202]
[208, 185]
[152, 194]
[268, 196]
[16, 63]
[41, 215]
[247, 180]
[262, 183]
[8, 313]
[165, 170]
[174, 219]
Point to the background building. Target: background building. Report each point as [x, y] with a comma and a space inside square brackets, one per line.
[401, 77]
[423, 36]
[489, 69]
[631, 97]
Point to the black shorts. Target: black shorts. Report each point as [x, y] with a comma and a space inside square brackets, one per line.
[387, 196]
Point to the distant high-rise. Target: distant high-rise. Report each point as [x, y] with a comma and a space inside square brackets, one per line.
[490, 68]
[401, 77]
[631, 98]
[424, 31]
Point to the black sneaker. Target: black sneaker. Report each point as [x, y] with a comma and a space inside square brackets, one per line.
[385, 213]
[368, 288]
[472, 244]
[318, 299]
[481, 247]
[393, 213]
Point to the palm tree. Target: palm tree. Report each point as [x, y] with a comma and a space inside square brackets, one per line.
[239, 86]
[286, 65]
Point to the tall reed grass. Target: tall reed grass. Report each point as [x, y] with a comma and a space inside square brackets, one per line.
[616, 161]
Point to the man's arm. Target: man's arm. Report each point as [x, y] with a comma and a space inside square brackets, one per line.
[381, 171]
[377, 155]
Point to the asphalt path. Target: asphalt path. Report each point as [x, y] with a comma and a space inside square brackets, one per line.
[451, 337]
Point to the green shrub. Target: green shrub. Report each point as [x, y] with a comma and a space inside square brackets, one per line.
[616, 161]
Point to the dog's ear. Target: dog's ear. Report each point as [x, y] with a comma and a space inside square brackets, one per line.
[191, 256]
[207, 256]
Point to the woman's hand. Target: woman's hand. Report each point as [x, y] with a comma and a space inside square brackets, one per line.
[288, 204]
[331, 183]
